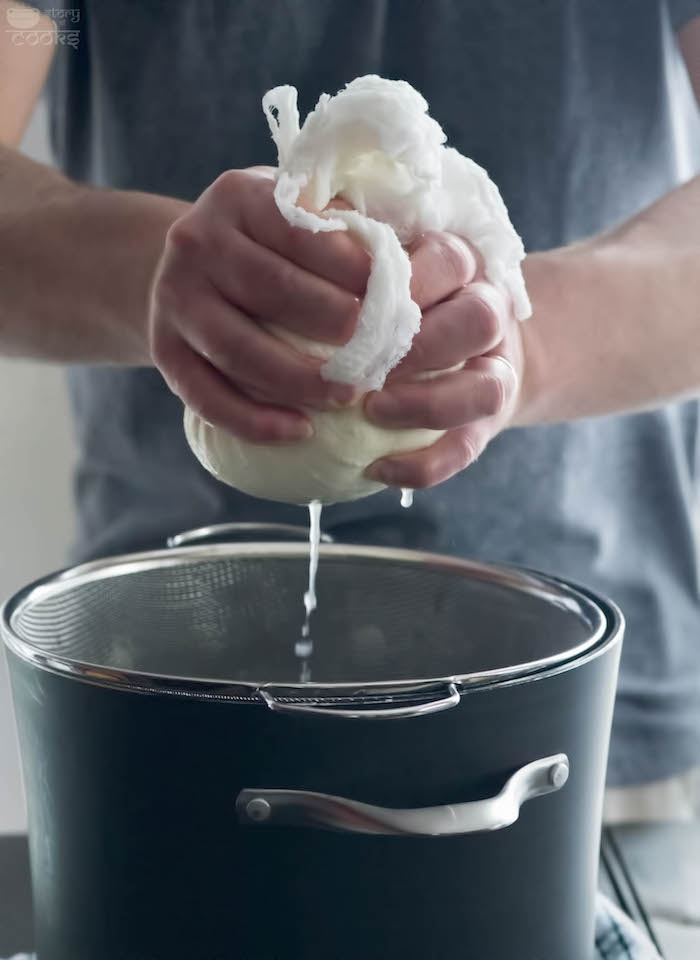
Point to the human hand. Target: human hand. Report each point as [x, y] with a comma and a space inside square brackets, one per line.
[231, 265]
[467, 322]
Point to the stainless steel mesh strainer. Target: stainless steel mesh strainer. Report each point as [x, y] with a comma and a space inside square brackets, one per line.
[221, 621]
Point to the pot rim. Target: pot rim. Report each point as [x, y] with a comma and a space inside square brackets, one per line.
[588, 605]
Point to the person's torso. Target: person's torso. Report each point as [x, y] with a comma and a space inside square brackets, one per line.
[567, 104]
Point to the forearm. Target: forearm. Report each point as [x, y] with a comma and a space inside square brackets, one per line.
[616, 322]
[76, 265]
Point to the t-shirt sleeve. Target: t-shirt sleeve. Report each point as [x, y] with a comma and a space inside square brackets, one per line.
[682, 11]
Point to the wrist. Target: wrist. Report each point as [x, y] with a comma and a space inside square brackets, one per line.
[543, 278]
[137, 224]
[563, 285]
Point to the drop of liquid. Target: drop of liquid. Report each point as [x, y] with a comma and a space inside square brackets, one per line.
[304, 647]
[305, 672]
[314, 542]
[406, 497]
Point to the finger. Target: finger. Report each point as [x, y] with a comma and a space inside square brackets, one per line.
[482, 389]
[337, 203]
[268, 173]
[441, 264]
[334, 255]
[265, 285]
[202, 388]
[425, 468]
[254, 360]
[451, 332]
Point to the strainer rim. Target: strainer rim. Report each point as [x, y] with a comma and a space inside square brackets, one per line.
[524, 580]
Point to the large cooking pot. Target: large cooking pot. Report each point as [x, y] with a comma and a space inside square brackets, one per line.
[433, 792]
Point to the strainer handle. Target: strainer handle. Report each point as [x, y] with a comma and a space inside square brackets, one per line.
[299, 808]
[241, 531]
[381, 713]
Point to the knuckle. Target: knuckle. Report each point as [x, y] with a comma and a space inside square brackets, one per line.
[245, 196]
[229, 193]
[183, 237]
[228, 182]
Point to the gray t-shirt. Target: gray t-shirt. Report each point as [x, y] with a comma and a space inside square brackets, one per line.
[568, 105]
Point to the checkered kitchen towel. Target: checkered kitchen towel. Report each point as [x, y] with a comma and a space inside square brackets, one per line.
[616, 936]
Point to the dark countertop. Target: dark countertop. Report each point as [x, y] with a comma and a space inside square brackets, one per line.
[15, 896]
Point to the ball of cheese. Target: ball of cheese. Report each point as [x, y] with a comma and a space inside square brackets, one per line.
[329, 467]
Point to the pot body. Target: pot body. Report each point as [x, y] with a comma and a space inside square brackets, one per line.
[137, 852]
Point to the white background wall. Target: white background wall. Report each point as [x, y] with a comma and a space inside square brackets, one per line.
[36, 513]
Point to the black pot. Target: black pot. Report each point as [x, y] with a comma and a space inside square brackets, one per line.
[190, 798]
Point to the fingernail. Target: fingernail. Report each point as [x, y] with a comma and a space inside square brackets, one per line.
[302, 430]
[490, 295]
[461, 247]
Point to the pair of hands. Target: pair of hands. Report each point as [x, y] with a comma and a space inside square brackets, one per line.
[233, 263]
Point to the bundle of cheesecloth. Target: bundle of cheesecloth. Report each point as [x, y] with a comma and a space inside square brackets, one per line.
[374, 146]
